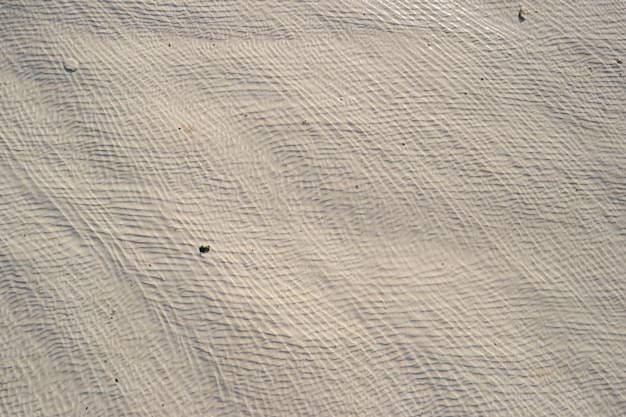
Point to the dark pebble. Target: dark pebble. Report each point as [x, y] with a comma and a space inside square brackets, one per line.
[204, 249]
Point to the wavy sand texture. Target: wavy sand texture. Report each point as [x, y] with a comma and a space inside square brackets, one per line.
[413, 209]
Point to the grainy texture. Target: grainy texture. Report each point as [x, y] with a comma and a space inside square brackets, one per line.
[412, 209]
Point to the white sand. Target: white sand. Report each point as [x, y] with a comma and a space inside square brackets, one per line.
[412, 208]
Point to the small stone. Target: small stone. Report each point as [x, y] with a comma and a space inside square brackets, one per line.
[521, 15]
[205, 249]
[70, 65]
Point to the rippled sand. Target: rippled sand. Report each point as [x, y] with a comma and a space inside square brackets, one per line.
[412, 209]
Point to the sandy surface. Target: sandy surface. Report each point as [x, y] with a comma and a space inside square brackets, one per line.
[412, 209]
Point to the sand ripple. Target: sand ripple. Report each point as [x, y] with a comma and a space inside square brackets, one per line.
[413, 209]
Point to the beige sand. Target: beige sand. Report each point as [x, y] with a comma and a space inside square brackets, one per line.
[412, 209]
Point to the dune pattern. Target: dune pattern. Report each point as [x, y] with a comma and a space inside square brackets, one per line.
[412, 208]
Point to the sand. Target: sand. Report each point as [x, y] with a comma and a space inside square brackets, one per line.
[412, 208]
